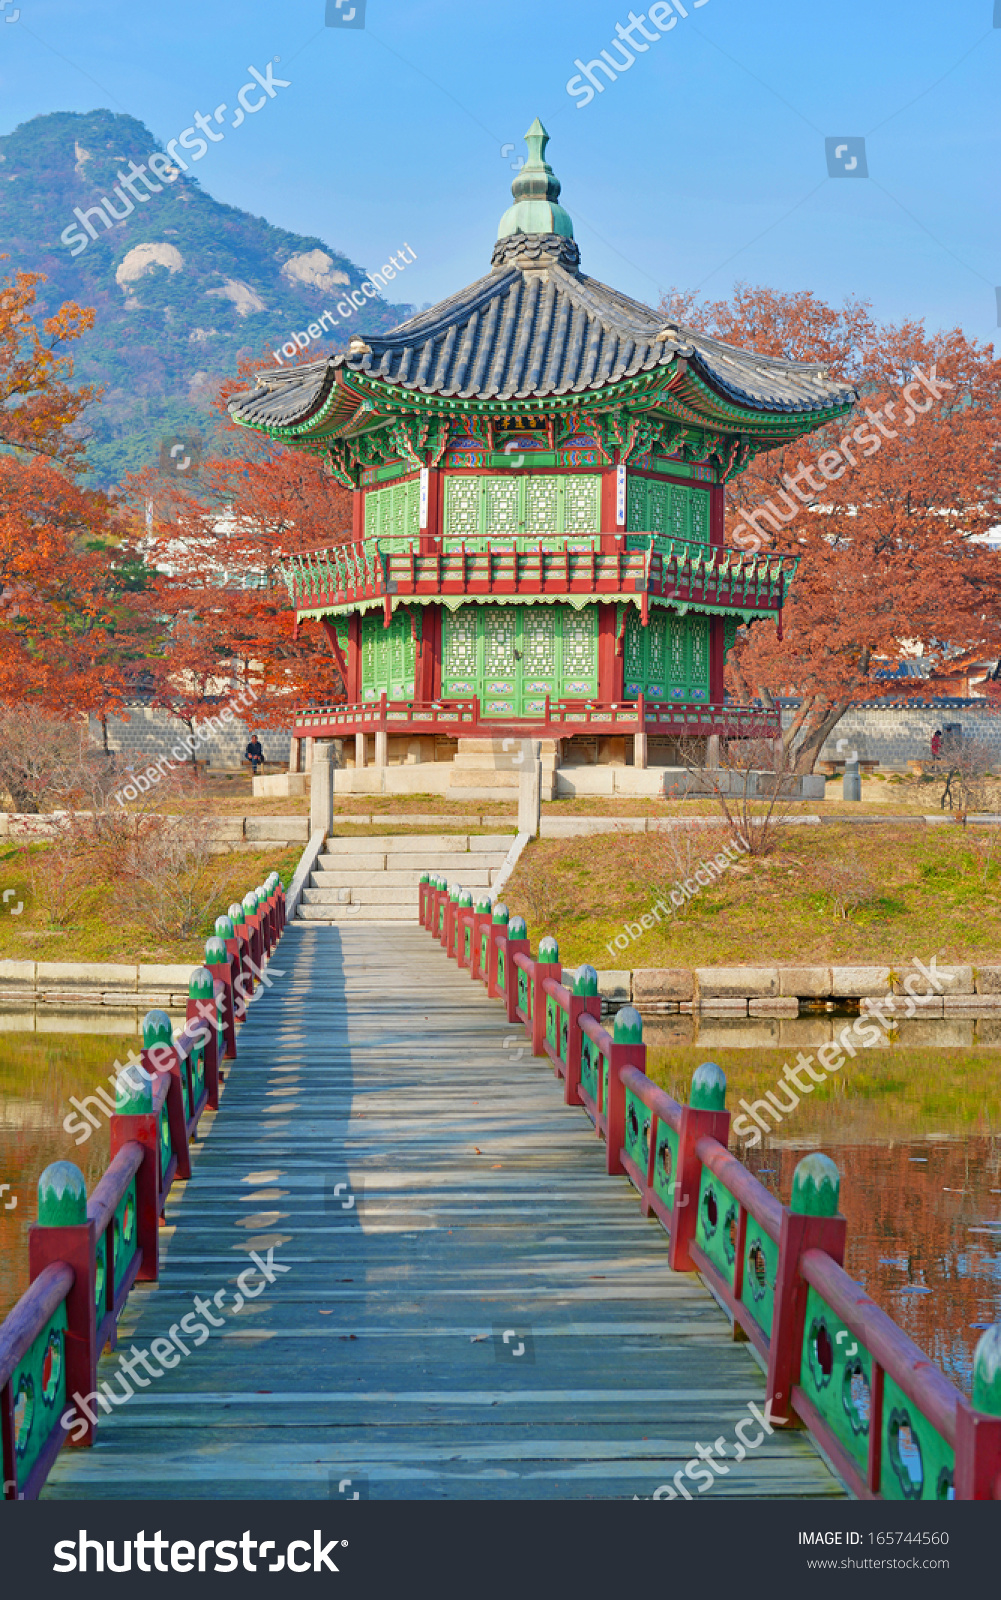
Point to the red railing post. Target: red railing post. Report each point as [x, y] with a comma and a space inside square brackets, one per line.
[159, 1055]
[547, 965]
[810, 1222]
[626, 1050]
[220, 962]
[705, 1114]
[136, 1122]
[978, 1426]
[481, 919]
[460, 922]
[202, 1018]
[510, 944]
[498, 932]
[64, 1232]
[584, 1001]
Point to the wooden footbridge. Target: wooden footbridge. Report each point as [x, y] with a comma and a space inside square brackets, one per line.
[397, 1261]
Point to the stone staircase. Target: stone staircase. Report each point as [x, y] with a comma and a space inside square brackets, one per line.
[375, 879]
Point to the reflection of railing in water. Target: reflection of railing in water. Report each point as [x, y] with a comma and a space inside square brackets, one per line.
[890, 1421]
[85, 1255]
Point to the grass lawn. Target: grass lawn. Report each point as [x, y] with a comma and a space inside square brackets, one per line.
[98, 929]
[916, 892]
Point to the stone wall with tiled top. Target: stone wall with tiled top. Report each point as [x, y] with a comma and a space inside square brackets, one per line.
[154, 733]
[895, 735]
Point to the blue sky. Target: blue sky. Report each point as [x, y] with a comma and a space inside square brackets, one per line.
[703, 163]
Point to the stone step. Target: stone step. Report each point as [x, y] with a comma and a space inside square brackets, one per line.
[356, 914]
[451, 865]
[330, 876]
[440, 843]
[362, 897]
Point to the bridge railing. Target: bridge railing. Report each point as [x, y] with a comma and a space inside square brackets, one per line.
[85, 1255]
[882, 1412]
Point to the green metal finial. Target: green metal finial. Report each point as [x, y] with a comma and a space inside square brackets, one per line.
[708, 1091]
[250, 902]
[454, 893]
[586, 981]
[465, 899]
[200, 984]
[483, 903]
[224, 928]
[216, 954]
[236, 913]
[157, 1029]
[62, 1196]
[133, 1091]
[500, 914]
[816, 1186]
[536, 191]
[987, 1372]
[628, 1028]
[549, 950]
[517, 928]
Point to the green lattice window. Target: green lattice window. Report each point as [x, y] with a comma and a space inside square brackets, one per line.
[388, 656]
[668, 659]
[511, 657]
[394, 512]
[668, 509]
[530, 506]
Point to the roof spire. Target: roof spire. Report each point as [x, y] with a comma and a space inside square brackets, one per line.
[536, 192]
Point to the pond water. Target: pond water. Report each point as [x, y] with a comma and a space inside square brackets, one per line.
[915, 1132]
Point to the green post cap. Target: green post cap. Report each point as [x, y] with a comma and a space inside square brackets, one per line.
[628, 1028]
[500, 914]
[987, 1372]
[465, 899]
[216, 953]
[236, 912]
[454, 893]
[250, 902]
[62, 1196]
[549, 950]
[517, 928]
[134, 1091]
[708, 1091]
[816, 1185]
[201, 984]
[586, 981]
[483, 903]
[157, 1029]
[423, 877]
[224, 928]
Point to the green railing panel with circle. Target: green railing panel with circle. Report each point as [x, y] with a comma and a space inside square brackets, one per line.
[716, 1224]
[524, 992]
[665, 1167]
[638, 1117]
[761, 1263]
[125, 1232]
[916, 1462]
[38, 1392]
[590, 1057]
[836, 1375]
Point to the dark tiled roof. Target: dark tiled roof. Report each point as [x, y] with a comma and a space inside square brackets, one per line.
[533, 327]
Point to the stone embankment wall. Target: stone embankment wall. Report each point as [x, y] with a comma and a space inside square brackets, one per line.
[226, 833]
[778, 991]
[895, 735]
[154, 733]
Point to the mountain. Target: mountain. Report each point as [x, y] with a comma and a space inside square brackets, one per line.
[182, 284]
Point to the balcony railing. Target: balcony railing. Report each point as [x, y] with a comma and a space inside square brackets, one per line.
[562, 719]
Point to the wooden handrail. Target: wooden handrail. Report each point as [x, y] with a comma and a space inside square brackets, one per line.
[743, 1185]
[654, 1098]
[23, 1324]
[115, 1182]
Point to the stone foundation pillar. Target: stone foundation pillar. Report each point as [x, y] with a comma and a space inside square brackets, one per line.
[359, 750]
[712, 752]
[382, 748]
[639, 750]
[321, 789]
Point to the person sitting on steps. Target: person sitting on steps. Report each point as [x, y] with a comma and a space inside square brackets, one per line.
[254, 753]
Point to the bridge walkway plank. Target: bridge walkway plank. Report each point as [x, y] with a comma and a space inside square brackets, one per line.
[389, 1137]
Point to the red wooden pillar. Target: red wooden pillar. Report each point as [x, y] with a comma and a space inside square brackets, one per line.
[609, 657]
[139, 1123]
[717, 506]
[354, 659]
[64, 1232]
[717, 659]
[358, 514]
[609, 495]
[627, 1050]
[513, 941]
[810, 1223]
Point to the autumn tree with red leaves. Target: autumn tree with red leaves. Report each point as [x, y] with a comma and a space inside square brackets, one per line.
[68, 628]
[887, 508]
[218, 543]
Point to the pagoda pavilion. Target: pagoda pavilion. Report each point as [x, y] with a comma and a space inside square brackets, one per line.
[538, 467]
